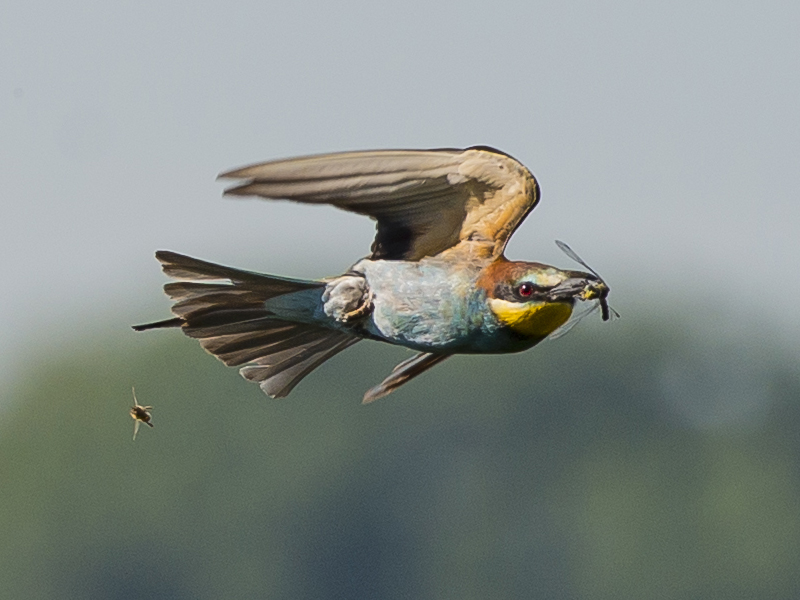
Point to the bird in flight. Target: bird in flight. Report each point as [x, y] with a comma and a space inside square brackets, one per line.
[436, 280]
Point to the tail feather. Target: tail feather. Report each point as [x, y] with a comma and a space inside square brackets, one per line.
[206, 297]
[278, 374]
[238, 349]
[246, 290]
[231, 320]
[228, 327]
[184, 290]
[158, 324]
[179, 266]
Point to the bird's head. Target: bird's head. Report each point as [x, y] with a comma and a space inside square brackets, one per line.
[518, 294]
[533, 299]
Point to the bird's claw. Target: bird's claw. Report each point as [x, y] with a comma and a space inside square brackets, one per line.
[362, 310]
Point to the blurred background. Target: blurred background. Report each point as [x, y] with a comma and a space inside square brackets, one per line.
[657, 456]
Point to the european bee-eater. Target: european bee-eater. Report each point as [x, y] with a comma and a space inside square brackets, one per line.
[436, 280]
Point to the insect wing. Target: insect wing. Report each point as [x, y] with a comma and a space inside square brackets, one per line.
[574, 256]
[576, 318]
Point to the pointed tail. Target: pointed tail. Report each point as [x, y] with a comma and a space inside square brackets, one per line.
[227, 313]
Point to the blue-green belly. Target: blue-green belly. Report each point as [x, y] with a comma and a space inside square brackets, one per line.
[435, 307]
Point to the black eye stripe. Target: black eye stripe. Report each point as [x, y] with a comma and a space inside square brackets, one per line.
[515, 293]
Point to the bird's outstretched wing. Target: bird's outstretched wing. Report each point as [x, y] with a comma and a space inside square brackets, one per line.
[405, 371]
[425, 201]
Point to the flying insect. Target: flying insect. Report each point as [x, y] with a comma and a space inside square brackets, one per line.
[139, 414]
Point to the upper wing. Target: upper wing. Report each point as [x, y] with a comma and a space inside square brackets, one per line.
[425, 201]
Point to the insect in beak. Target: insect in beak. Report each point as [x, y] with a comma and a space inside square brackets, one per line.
[592, 289]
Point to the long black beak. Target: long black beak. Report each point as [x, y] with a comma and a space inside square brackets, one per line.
[569, 288]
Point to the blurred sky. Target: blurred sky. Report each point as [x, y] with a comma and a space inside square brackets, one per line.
[666, 138]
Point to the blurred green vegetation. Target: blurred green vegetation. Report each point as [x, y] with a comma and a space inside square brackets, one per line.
[636, 460]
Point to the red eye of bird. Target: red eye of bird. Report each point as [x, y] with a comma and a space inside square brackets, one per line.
[525, 289]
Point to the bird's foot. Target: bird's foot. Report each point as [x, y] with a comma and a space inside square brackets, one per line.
[348, 298]
[361, 311]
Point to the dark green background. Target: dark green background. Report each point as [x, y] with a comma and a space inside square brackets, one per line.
[654, 457]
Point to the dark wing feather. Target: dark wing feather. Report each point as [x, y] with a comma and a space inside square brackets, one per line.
[425, 201]
[405, 371]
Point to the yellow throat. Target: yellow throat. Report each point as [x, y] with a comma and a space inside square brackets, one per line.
[529, 319]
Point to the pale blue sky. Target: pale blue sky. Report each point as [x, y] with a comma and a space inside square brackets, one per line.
[666, 138]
